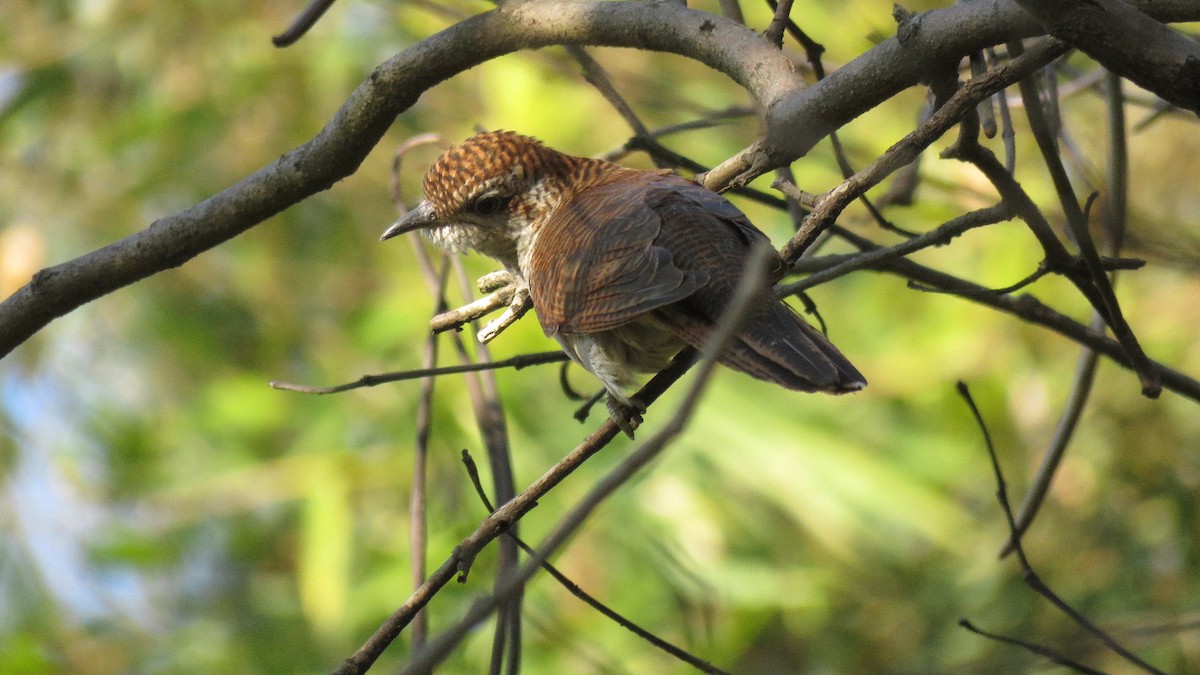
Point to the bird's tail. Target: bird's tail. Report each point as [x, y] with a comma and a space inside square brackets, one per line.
[777, 345]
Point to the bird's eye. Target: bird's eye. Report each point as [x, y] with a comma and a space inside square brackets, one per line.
[489, 205]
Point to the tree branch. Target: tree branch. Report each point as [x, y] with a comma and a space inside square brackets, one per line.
[924, 44]
[1164, 61]
[797, 117]
[1028, 308]
[494, 525]
[338, 150]
[516, 362]
[904, 151]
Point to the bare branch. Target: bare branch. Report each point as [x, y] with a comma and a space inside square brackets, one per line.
[1041, 650]
[1117, 180]
[933, 40]
[1164, 62]
[591, 600]
[301, 25]
[1107, 303]
[456, 318]
[417, 524]
[939, 236]
[1039, 487]
[493, 526]
[1029, 309]
[1031, 578]
[516, 362]
[906, 150]
[774, 32]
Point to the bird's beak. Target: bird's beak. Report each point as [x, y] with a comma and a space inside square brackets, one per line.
[419, 218]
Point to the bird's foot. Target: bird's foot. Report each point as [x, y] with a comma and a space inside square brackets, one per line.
[500, 287]
[516, 309]
[627, 414]
[494, 281]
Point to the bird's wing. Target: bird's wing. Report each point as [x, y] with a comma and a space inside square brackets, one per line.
[598, 264]
[774, 343]
[654, 242]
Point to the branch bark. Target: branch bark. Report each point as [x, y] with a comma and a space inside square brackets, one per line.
[922, 47]
[1164, 61]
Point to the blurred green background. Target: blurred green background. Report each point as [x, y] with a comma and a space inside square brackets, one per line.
[163, 510]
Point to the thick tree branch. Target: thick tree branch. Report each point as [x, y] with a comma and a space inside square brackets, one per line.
[338, 150]
[1164, 61]
[924, 44]
[797, 117]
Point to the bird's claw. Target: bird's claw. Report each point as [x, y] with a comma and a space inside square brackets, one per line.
[496, 326]
[627, 415]
[517, 307]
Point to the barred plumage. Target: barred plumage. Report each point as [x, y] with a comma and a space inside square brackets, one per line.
[624, 267]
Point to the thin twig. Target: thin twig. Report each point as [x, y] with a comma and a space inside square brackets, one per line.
[1061, 261]
[436, 283]
[906, 150]
[1031, 578]
[1039, 486]
[796, 209]
[596, 76]
[1039, 649]
[1117, 174]
[515, 362]
[903, 188]
[987, 114]
[707, 121]
[418, 523]
[1114, 224]
[1029, 280]
[591, 600]
[774, 32]
[489, 417]
[1007, 133]
[1109, 306]
[940, 236]
[1027, 307]
[303, 22]
[453, 319]
[812, 48]
[464, 553]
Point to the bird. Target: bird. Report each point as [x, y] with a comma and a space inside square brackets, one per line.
[623, 267]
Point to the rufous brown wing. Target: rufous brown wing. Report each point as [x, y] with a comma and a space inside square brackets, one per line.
[652, 243]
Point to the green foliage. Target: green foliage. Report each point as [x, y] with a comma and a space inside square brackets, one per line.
[164, 510]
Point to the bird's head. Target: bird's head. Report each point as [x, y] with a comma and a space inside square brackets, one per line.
[486, 193]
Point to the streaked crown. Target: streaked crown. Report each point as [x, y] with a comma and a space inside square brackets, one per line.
[494, 164]
[494, 192]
